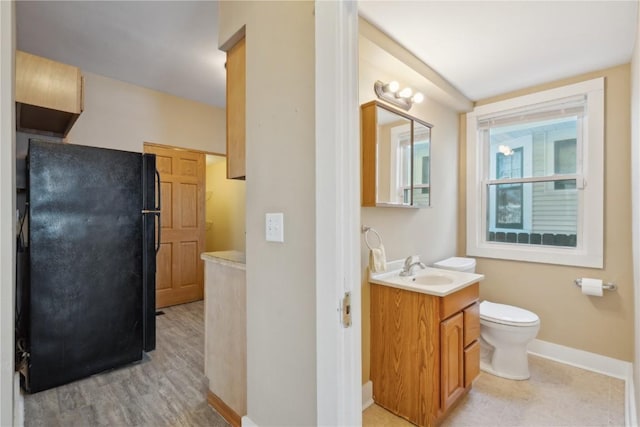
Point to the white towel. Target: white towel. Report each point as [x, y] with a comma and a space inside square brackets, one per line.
[377, 259]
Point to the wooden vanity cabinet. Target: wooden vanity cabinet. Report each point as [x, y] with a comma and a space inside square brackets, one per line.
[424, 350]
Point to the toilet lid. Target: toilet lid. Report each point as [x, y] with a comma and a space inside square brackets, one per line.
[507, 314]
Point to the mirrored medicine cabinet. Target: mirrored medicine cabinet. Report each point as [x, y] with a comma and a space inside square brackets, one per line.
[396, 158]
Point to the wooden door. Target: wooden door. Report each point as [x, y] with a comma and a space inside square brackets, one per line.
[180, 271]
[452, 360]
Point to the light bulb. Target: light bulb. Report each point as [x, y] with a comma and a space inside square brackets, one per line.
[393, 86]
[405, 93]
[418, 98]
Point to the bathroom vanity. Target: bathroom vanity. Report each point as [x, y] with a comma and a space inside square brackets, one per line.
[424, 342]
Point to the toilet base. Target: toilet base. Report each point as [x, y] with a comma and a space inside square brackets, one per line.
[512, 361]
[486, 367]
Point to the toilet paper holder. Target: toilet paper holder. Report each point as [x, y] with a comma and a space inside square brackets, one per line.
[605, 286]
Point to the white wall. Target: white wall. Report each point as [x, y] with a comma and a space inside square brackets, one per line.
[7, 214]
[123, 116]
[280, 156]
[635, 203]
[431, 232]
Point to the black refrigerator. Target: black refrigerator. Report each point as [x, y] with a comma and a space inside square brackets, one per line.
[93, 227]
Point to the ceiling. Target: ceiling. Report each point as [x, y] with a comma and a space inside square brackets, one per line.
[170, 46]
[486, 48]
[483, 48]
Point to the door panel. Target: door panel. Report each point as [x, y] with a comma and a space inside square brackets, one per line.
[166, 193]
[189, 253]
[164, 268]
[180, 270]
[189, 202]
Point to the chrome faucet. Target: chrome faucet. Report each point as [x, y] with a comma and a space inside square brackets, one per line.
[410, 263]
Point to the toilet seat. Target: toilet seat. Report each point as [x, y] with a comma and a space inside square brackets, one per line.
[507, 315]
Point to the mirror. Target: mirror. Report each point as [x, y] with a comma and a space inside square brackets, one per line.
[396, 158]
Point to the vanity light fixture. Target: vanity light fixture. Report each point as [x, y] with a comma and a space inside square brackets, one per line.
[391, 93]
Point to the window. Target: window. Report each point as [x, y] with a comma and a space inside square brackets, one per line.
[508, 198]
[529, 160]
[565, 162]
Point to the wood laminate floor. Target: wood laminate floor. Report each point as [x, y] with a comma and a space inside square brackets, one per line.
[167, 388]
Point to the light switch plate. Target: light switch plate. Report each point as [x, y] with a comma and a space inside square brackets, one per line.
[274, 227]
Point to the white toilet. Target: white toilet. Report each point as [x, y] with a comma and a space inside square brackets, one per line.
[505, 331]
[467, 265]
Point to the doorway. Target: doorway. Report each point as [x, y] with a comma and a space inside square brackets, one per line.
[224, 208]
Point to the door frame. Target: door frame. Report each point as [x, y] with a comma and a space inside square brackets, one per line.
[338, 349]
[10, 399]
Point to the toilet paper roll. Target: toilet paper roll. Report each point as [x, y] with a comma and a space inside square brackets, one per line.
[592, 287]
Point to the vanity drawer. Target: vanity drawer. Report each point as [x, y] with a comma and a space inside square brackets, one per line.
[471, 323]
[457, 301]
[471, 363]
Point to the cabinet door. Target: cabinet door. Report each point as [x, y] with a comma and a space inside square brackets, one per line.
[452, 360]
[48, 95]
[236, 110]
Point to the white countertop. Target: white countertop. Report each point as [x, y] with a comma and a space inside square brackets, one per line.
[391, 277]
[235, 259]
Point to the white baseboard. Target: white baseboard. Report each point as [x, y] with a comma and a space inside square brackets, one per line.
[582, 359]
[18, 402]
[367, 395]
[630, 414]
[592, 362]
[247, 422]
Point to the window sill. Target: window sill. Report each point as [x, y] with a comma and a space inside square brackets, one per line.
[538, 254]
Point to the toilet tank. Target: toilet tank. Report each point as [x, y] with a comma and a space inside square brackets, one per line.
[458, 264]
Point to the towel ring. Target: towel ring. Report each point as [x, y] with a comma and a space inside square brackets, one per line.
[366, 231]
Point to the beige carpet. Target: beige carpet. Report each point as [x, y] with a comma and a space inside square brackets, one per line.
[555, 395]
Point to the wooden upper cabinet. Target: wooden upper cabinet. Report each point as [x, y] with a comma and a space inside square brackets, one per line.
[236, 110]
[395, 157]
[48, 94]
[369, 124]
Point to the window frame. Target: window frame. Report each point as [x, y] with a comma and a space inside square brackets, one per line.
[589, 180]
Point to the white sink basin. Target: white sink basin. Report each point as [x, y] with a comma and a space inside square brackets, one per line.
[430, 279]
[433, 281]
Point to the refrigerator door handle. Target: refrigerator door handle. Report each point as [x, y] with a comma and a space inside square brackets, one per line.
[159, 204]
[157, 213]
